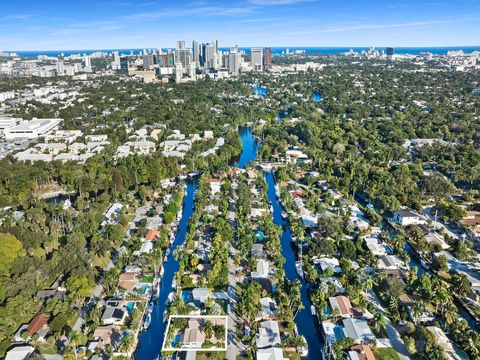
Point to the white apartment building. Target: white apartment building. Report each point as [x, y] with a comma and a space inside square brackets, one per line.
[32, 129]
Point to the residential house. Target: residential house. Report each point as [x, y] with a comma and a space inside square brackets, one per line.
[342, 305]
[268, 334]
[19, 352]
[271, 353]
[152, 235]
[360, 352]
[193, 336]
[39, 326]
[215, 186]
[269, 309]
[128, 281]
[107, 335]
[358, 330]
[423, 315]
[390, 262]
[263, 269]
[201, 294]
[444, 342]
[407, 218]
[115, 313]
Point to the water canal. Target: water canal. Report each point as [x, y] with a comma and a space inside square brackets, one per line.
[151, 340]
[306, 323]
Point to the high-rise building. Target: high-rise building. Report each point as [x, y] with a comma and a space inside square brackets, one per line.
[234, 60]
[390, 53]
[116, 61]
[181, 45]
[124, 63]
[196, 52]
[267, 58]
[211, 57]
[87, 62]
[257, 59]
[60, 68]
[178, 73]
[148, 61]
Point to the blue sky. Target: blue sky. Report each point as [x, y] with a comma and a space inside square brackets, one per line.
[109, 24]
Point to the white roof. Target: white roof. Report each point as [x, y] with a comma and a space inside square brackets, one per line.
[268, 334]
[270, 353]
[19, 352]
[357, 329]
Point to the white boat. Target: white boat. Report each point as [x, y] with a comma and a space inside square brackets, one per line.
[167, 252]
[304, 349]
[147, 321]
[424, 263]
[299, 268]
[162, 271]
[312, 309]
[284, 215]
[170, 297]
[277, 190]
[174, 284]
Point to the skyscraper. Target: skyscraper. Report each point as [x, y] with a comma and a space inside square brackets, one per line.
[60, 68]
[182, 54]
[390, 53]
[87, 62]
[211, 57]
[180, 45]
[116, 60]
[196, 52]
[148, 61]
[257, 59]
[267, 58]
[234, 59]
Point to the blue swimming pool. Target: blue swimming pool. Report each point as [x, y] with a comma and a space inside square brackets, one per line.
[176, 340]
[131, 306]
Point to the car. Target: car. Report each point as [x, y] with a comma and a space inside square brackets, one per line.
[402, 322]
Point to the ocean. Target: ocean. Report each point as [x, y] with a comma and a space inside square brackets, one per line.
[275, 50]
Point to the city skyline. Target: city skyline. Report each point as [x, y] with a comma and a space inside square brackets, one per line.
[249, 23]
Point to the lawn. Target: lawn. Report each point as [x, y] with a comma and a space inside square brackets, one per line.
[385, 354]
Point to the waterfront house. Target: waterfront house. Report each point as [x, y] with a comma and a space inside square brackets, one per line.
[263, 269]
[390, 262]
[268, 334]
[416, 314]
[342, 305]
[443, 342]
[128, 281]
[201, 294]
[269, 309]
[360, 352]
[115, 313]
[329, 263]
[374, 245]
[193, 336]
[271, 353]
[358, 330]
[20, 352]
[258, 251]
[107, 335]
[407, 218]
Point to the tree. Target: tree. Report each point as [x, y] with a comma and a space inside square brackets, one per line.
[10, 249]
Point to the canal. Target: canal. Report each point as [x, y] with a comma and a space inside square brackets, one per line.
[151, 340]
[306, 323]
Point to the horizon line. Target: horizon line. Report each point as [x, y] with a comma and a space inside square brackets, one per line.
[273, 47]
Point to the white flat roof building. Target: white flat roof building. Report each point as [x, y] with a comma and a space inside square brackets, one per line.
[32, 129]
[8, 122]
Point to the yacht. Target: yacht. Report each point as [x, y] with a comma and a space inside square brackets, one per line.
[312, 309]
[304, 349]
[162, 271]
[277, 190]
[170, 297]
[284, 215]
[299, 268]
[167, 252]
[174, 284]
[147, 321]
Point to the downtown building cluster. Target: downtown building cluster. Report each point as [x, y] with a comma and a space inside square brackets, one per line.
[190, 63]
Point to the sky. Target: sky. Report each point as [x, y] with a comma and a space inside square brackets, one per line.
[123, 24]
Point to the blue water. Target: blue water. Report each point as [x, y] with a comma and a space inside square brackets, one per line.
[260, 91]
[131, 306]
[283, 114]
[249, 150]
[316, 97]
[176, 339]
[306, 323]
[151, 340]
[275, 50]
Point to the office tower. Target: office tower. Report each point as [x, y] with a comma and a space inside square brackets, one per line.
[390, 53]
[87, 62]
[196, 52]
[60, 68]
[148, 61]
[267, 58]
[183, 56]
[211, 57]
[257, 59]
[178, 73]
[124, 64]
[180, 45]
[116, 60]
[192, 72]
[234, 59]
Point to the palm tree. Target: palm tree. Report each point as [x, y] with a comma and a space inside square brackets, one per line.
[73, 339]
[450, 313]
[379, 320]
[126, 343]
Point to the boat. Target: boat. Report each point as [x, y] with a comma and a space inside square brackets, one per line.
[424, 263]
[147, 321]
[162, 271]
[174, 284]
[327, 351]
[157, 292]
[304, 349]
[170, 297]
[167, 252]
[277, 190]
[312, 309]
[284, 215]
[298, 267]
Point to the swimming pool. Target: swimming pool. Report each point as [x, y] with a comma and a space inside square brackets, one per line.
[176, 340]
[131, 306]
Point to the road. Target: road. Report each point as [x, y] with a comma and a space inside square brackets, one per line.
[392, 333]
[427, 211]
